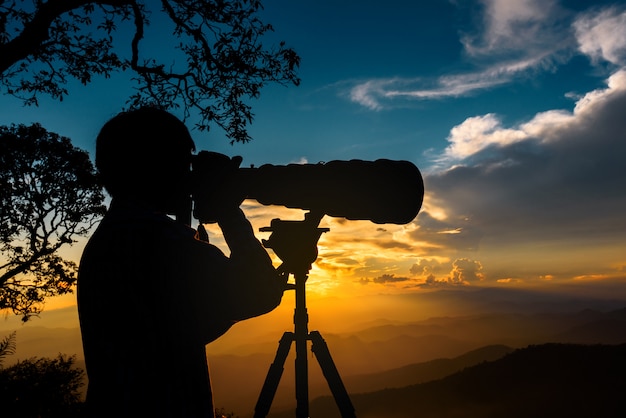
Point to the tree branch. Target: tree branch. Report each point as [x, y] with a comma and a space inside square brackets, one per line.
[25, 265]
[36, 31]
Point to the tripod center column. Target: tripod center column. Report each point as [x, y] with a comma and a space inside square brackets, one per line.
[301, 322]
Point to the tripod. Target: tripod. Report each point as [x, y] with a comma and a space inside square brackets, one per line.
[295, 243]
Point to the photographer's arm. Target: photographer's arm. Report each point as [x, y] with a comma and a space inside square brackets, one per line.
[257, 286]
[224, 290]
[247, 283]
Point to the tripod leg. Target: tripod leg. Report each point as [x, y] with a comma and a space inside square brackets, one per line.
[302, 377]
[320, 349]
[275, 372]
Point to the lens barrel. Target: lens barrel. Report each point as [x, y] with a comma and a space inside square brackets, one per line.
[381, 191]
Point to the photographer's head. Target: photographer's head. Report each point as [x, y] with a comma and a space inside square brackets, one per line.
[145, 155]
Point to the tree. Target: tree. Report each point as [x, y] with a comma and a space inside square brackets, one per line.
[42, 388]
[49, 195]
[217, 63]
[39, 387]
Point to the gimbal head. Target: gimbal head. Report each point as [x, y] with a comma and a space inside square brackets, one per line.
[295, 242]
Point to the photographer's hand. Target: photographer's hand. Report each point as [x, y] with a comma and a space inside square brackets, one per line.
[214, 190]
[217, 197]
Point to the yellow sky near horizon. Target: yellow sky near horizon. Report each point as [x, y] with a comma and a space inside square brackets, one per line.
[360, 258]
[364, 269]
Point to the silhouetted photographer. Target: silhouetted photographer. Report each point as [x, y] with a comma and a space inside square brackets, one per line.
[151, 293]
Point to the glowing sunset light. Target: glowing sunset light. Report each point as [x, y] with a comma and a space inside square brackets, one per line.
[513, 111]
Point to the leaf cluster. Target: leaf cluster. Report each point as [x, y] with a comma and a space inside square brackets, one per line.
[7, 347]
[49, 195]
[220, 42]
[46, 44]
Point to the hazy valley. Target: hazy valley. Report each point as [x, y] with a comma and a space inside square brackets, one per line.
[395, 356]
[381, 358]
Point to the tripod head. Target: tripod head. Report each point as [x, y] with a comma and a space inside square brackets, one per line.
[295, 242]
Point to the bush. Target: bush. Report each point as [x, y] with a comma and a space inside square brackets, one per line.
[41, 388]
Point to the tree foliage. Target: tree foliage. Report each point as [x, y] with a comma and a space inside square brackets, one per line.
[7, 347]
[41, 388]
[49, 195]
[217, 59]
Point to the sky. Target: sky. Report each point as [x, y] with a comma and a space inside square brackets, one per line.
[513, 110]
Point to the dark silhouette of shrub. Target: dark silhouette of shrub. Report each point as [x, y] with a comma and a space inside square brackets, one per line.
[41, 388]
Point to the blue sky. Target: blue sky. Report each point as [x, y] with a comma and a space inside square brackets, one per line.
[513, 110]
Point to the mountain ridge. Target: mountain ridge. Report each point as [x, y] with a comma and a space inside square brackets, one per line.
[547, 380]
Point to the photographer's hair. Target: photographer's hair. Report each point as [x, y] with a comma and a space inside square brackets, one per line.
[139, 148]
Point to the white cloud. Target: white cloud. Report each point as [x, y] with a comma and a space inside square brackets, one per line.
[519, 25]
[378, 94]
[517, 37]
[301, 160]
[616, 85]
[425, 267]
[602, 35]
[367, 94]
[465, 271]
[558, 176]
[477, 133]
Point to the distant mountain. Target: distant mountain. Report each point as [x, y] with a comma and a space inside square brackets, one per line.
[513, 329]
[606, 330]
[385, 354]
[460, 301]
[550, 380]
[351, 355]
[401, 377]
[371, 359]
[423, 372]
[37, 341]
